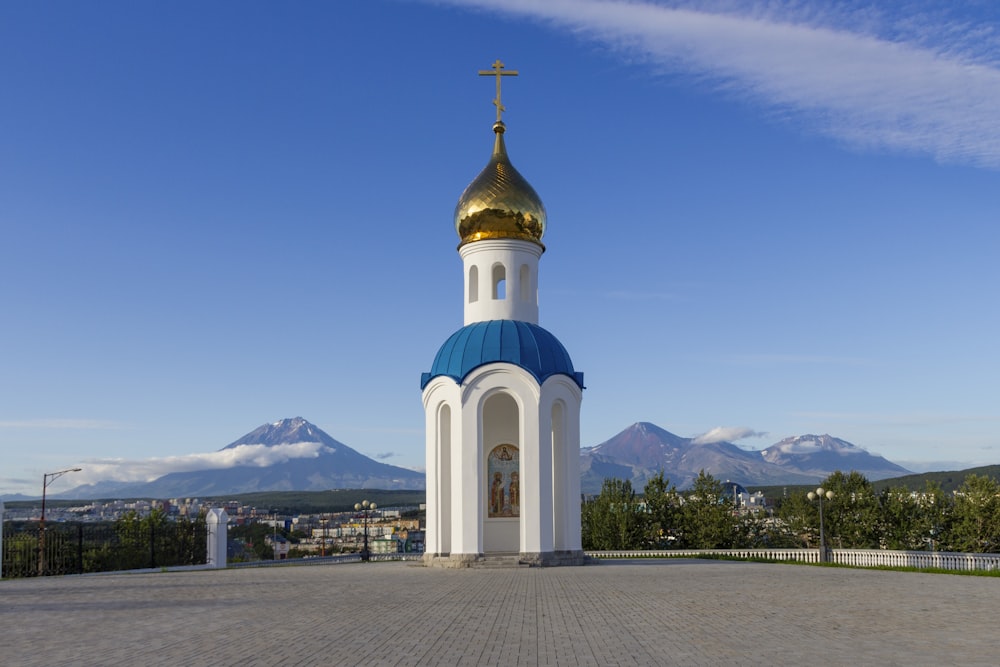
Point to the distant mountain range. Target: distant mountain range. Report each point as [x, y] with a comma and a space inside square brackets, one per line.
[819, 455]
[294, 455]
[643, 449]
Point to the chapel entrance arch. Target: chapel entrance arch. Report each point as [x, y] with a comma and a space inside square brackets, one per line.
[501, 487]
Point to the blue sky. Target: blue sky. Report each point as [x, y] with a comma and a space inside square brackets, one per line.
[765, 219]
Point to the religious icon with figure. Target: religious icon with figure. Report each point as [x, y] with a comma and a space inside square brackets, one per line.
[504, 488]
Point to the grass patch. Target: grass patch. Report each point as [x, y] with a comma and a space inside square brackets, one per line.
[780, 561]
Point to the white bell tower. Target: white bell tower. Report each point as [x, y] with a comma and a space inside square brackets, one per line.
[502, 399]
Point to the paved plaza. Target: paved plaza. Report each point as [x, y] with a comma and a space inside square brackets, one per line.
[677, 612]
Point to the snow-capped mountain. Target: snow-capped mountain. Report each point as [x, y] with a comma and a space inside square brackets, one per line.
[287, 455]
[644, 449]
[286, 432]
[817, 454]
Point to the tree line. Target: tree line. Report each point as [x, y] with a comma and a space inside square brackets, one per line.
[856, 517]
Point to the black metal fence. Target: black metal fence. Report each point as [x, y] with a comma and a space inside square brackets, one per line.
[76, 548]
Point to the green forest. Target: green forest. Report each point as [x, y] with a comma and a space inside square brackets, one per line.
[858, 516]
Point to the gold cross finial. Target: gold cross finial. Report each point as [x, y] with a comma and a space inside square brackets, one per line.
[498, 71]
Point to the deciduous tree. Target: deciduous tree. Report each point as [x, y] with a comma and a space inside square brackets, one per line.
[976, 521]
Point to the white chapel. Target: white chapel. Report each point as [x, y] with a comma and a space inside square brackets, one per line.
[502, 399]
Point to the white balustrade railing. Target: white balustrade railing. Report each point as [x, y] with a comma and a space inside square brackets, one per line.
[942, 560]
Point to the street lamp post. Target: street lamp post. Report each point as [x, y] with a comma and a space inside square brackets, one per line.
[47, 479]
[323, 521]
[813, 495]
[365, 506]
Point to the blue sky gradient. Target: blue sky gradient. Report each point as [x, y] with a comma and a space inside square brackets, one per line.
[765, 219]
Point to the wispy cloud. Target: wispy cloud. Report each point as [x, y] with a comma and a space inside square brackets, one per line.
[69, 424]
[125, 470]
[924, 82]
[726, 434]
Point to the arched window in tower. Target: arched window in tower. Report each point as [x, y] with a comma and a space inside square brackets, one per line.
[499, 281]
[525, 283]
[473, 284]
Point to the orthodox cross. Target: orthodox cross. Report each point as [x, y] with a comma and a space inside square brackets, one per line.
[498, 71]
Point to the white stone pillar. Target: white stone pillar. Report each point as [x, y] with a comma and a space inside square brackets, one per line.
[536, 486]
[218, 537]
[432, 463]
[572, 495]
[466, 487]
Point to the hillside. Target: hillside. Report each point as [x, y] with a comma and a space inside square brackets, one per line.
[949, 481]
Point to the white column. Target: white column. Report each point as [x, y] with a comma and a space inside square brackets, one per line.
[443, 435]
[218, 537]
[557, 434]
[466, 494]
[572, 463]
[565, 439]
[432, 542]
[536, 483]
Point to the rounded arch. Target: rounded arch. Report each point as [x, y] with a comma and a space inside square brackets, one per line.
[473, 283]
[495, 377]
[498, 281]
[502, 411]
[501, 440]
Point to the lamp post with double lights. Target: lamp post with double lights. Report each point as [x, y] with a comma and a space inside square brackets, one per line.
[365, 506]
[47, 479]
[813, 495]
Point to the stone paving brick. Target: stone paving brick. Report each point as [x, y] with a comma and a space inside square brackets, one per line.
[678, 612]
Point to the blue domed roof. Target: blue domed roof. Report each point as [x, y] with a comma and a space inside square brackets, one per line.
[509, 341]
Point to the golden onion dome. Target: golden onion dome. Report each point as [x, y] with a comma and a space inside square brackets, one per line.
[499, 203]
